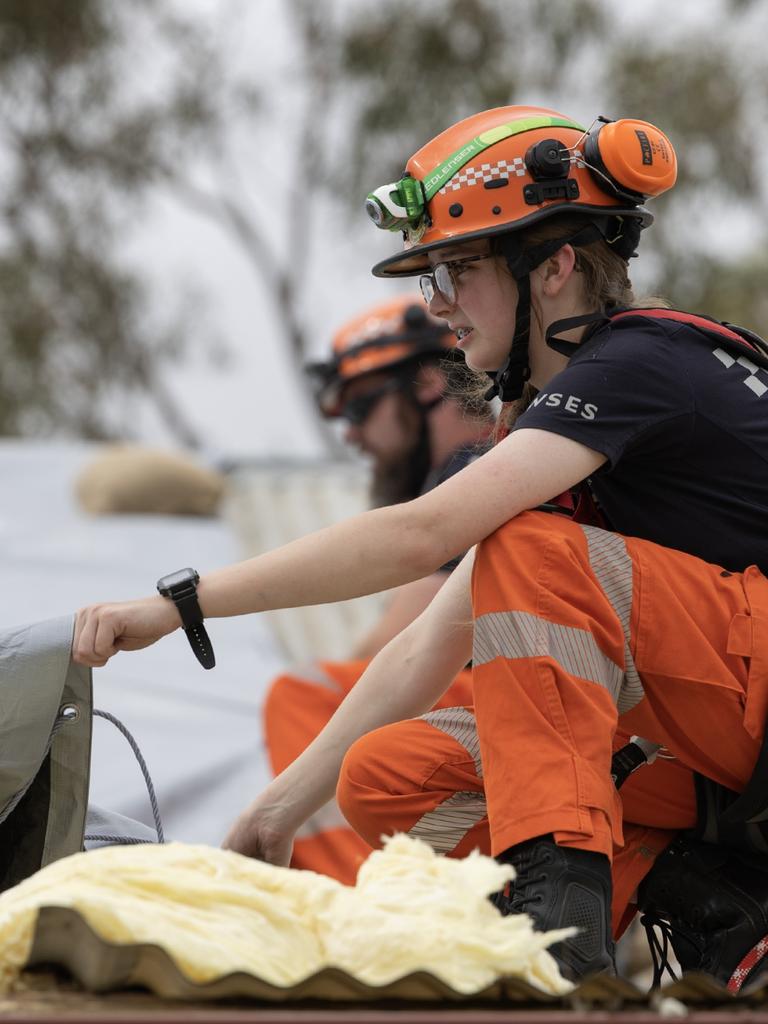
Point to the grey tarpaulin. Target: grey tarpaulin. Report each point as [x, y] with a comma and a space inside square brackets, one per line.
[45, 747]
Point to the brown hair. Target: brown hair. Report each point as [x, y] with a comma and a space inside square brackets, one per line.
[606, 286]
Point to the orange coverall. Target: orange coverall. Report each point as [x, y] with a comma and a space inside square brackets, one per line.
[582, 638]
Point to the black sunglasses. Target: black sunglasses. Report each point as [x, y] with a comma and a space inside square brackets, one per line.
[357, 410]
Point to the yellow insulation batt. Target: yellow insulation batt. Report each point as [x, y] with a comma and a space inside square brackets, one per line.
[216, 912]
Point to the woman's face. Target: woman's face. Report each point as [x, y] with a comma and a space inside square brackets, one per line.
[483, 312]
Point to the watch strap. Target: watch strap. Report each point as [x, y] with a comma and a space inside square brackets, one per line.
[188, 606]
[201, 644]
[184, 596]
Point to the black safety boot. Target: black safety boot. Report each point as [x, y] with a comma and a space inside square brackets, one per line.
[559, 887]
[711, 903]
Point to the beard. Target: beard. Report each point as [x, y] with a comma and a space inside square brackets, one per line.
[403, 478]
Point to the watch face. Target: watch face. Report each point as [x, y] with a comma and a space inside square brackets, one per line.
[176, 579]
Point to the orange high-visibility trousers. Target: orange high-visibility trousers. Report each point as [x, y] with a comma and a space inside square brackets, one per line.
[425, 777]
[297, 707]
[579, 631]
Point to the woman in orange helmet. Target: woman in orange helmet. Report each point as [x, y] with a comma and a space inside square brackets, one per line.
[520, 224]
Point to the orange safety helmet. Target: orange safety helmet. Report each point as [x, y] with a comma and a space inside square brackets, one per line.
[502, 170]
[386, 337]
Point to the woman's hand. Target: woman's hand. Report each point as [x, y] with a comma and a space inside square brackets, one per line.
[254, 835]
[102, 630]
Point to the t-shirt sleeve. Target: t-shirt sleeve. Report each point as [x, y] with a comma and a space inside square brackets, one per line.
[624, 394]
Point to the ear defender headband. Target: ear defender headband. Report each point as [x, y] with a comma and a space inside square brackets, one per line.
[628, 159]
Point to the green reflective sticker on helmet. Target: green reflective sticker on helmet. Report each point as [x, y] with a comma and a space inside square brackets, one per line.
[493, 135]
[446, 170]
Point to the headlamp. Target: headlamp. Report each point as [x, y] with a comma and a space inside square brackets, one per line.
[397, 206]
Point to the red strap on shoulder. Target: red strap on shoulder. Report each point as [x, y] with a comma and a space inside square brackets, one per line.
[710, 326]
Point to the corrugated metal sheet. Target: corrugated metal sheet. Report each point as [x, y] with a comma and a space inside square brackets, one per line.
[63, 938]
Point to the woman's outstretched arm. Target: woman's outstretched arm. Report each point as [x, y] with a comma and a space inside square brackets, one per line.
[375, 551]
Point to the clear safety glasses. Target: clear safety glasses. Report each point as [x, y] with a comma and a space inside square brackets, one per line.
[443, 279]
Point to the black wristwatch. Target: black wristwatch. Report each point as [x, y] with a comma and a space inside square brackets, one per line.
[181, 588]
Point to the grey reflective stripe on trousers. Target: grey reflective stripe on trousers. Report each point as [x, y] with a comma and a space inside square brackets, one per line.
[611, 564]
[516, 634]
[523, 635]
[445, 826]
[458, 723]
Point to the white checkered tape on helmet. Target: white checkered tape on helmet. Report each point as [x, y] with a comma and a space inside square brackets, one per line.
[491, 172]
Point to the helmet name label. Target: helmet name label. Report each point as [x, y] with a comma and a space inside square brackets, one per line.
[447, 169]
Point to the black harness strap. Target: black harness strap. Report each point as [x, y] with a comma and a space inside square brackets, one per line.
[736, 340]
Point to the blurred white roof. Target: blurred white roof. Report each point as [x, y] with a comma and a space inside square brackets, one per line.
[200, 732]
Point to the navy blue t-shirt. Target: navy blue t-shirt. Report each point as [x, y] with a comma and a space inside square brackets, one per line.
[684, 426]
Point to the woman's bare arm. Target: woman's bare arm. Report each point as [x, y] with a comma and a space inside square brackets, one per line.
[376, 551]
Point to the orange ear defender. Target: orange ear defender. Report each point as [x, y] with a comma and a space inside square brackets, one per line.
[630, 159]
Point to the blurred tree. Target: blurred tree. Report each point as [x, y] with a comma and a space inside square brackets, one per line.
[447, 59]
[101, 103]
[710, 240]
[76, 337]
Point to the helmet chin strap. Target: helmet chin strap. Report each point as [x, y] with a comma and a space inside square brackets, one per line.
[567, 348]
[509, 381]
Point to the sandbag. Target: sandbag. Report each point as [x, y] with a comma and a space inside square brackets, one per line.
[134, 480]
